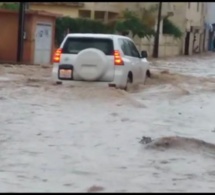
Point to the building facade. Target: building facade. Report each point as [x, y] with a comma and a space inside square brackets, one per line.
[38, 46]
[102, 11]
[210, 24]
[188, 16]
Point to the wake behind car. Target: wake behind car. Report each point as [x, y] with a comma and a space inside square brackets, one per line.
[110, 59]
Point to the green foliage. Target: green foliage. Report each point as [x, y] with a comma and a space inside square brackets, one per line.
[78, 25]
[148, 16]
[131, 22]
[10, 6]
[171, 29]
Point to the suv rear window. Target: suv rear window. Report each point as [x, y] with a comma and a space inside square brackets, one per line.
[74, 45]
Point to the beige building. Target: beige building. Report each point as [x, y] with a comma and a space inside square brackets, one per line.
[188, 16]
[102, 11]
[99, 11]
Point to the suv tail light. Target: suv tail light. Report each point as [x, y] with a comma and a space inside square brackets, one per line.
[118, 59]
[57, 55]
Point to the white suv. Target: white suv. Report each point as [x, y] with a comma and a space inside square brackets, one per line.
[110, 59]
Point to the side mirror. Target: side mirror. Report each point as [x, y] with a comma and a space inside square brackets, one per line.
[144, 54]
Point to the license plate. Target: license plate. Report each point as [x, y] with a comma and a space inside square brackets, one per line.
[65, 73]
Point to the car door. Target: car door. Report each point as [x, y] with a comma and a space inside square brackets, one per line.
[137, 59]
[127, 51]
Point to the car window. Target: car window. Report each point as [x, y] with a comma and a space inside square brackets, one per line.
[74, 45]
[125, 47]
[134, 52]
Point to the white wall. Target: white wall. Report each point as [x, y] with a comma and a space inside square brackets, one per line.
[194, 16]
[210, 17]
[168, 46]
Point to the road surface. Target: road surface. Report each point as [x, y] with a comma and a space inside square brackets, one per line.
[79, 139]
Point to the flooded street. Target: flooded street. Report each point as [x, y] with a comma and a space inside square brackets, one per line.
[78, 139]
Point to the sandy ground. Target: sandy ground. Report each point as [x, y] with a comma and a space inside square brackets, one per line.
[79, 139]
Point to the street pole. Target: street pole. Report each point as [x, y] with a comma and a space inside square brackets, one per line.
[156, 42]
[20, 45]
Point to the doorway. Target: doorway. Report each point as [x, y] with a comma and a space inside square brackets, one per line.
[43, 42]
[187, 43]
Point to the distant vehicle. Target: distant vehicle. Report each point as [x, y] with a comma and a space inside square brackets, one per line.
[109, 59]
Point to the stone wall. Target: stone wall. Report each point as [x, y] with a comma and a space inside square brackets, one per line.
[168, 46]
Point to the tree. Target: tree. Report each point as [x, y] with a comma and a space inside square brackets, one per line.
[171, 29]
[77, 25]
[149, 16]
[132, 22]
[10, 6]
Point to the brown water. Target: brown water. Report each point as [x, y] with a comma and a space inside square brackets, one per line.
[74, 139]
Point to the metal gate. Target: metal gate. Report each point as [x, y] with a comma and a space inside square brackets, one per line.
[43, 42]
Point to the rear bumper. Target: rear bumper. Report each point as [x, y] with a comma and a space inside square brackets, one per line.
[85, 84]
[120, 79]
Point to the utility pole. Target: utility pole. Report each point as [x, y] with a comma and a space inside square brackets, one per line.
[21, 26]
[156, 42]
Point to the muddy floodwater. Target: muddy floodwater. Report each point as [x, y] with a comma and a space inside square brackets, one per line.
[78, 139]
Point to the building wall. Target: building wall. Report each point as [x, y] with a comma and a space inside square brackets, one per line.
[9, 36]
[194, 13]
[210, 17]
[185, 15]
[168, 45]
[76, 12]
[56, 9]
[28, 46]
[103, 6]
[179, 10]
[114, 7]
[92, 7]
[166, 7]
[209, 20]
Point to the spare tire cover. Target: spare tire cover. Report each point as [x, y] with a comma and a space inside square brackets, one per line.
[90, 64]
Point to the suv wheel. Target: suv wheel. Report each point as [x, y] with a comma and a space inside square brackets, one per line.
[128, 84]
[148, 75]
